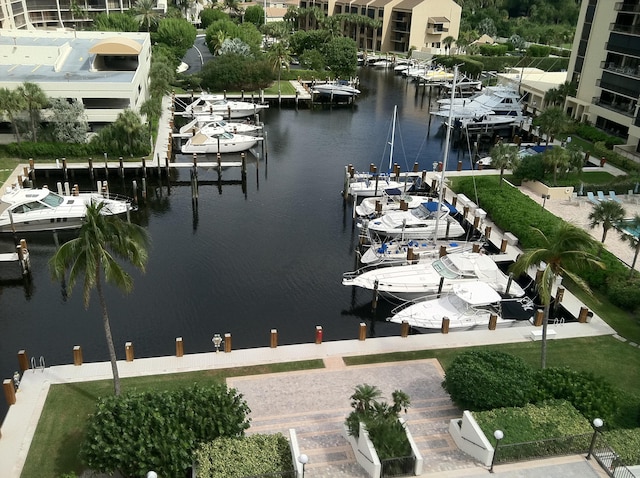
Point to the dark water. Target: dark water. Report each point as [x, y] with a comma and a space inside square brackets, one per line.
[246, 261]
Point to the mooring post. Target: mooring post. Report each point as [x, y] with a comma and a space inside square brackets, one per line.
[121, 166]
[374, 301]
[67, 189]
[144, 166]
[227, 342]
[134, 186]
[404, 329]
[106, 165]
[144, 189]
[9, 391]
[23, 360]
[362, 331]
[64, 169]
[444, 328]
[274, 338]
[179, 347]
[128, 350]
[91, 169]
[318, 334]
[77, 355]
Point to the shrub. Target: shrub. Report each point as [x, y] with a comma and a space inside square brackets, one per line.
[493, 50]
[381, 421]
[138, 432]
[247, 456]
[482, 380]
[624, 293]
[538, 51]
[626, 444]
[592, 396]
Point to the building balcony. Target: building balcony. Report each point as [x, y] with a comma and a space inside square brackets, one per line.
[616, 107]
[436, 30]
[621, 7]
[623, 70]
[628, 29]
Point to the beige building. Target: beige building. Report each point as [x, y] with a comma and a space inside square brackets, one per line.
[605, 65]
[421, 24]
[107, 72]
[28, 14]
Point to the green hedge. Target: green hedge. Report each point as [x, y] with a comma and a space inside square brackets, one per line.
[626, 443]
[246, 456]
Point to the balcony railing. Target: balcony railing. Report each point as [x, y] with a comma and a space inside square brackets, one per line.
[621, 7]
[624, 70]
[618, 108]
[631, 29]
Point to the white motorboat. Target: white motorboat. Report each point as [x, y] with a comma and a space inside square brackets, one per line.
[488, 122]
[397, 251]
[392, 199]
[426, 221]
[33, 210]
[468, 305]
[409, 282]
[336, 89]
[208, 104]
[435, 76]
[207, 124]
[498, 100]
[522, 153]
[219, 141]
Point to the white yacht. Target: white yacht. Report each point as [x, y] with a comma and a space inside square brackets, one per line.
[409, 282]
[206, 124]
[208, 104]
[218, 141]
[498, 100]
[32, 210]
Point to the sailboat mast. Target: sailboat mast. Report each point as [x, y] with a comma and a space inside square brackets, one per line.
[393, 136]
[446, 151]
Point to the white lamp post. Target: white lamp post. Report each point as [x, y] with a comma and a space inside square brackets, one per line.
[304, 459]
[499, 435]
[597, 423]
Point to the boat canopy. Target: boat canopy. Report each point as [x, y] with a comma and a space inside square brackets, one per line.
[432, 206]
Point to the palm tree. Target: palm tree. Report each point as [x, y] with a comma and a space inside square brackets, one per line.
[365, 396]
[504, 156]
[633, 241]
[91, 255]
[146, 13]
[556, 159]
[607, 213]
[34, 99]
[11, 103]
[447, 42]
[279, 55]
[552, 122]
[565, 252]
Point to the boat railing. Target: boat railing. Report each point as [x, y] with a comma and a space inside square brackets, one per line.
[409, 303]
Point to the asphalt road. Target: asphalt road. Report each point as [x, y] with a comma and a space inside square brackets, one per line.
[197, 55]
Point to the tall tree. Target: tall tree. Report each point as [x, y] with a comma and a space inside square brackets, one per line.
[556, 159]
[504, 156]
[69, 121]
[279, 56]
[607, 213]
[93, 255]
[145, 13]
[34, 100]
[447, 42]
[552, 122]
[11, 103]
[564, 253]
[633, 240]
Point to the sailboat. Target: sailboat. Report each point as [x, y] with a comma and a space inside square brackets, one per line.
[372, 184]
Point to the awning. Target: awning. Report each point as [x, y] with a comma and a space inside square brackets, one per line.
[116, 46]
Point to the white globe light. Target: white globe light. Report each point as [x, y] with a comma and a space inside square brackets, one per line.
[597, 422]
[152, 474]
[498, 434]
[304, 459]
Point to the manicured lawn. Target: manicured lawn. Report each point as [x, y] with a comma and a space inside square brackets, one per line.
[7, 165]
[54, 450]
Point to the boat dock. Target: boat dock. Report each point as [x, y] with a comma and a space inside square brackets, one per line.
[19, 257]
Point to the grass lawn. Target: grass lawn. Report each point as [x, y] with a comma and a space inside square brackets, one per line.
[7, 165]
[54, 450]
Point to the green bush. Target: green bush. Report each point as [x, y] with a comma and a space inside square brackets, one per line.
[626, 443]
[247, 456]
[235, 72]
[26, 150]
[550, 419]
[482, 380]
[138, 432]
[593, 396]
[624, 293]
[493, 50]
[539, 51]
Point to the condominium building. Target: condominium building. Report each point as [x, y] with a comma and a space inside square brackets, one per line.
[405, 24]
[605, 65]
[107, 72]
[28, 14]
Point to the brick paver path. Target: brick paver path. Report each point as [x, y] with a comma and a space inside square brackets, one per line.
[316, 402]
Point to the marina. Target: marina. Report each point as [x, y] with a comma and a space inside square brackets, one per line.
[253, 256]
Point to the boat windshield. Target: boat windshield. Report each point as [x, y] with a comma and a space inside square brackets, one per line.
[52, 199]
[446, 268]
[422, 212]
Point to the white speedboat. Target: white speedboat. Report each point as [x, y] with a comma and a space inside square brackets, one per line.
[32, 210]
[219, 141]
[397, 251]
[468, 305]
[425, 221]
[208, 104]
[435, 76]
[336, 89]
[409, 282]
[206, 124]
[392, 199]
